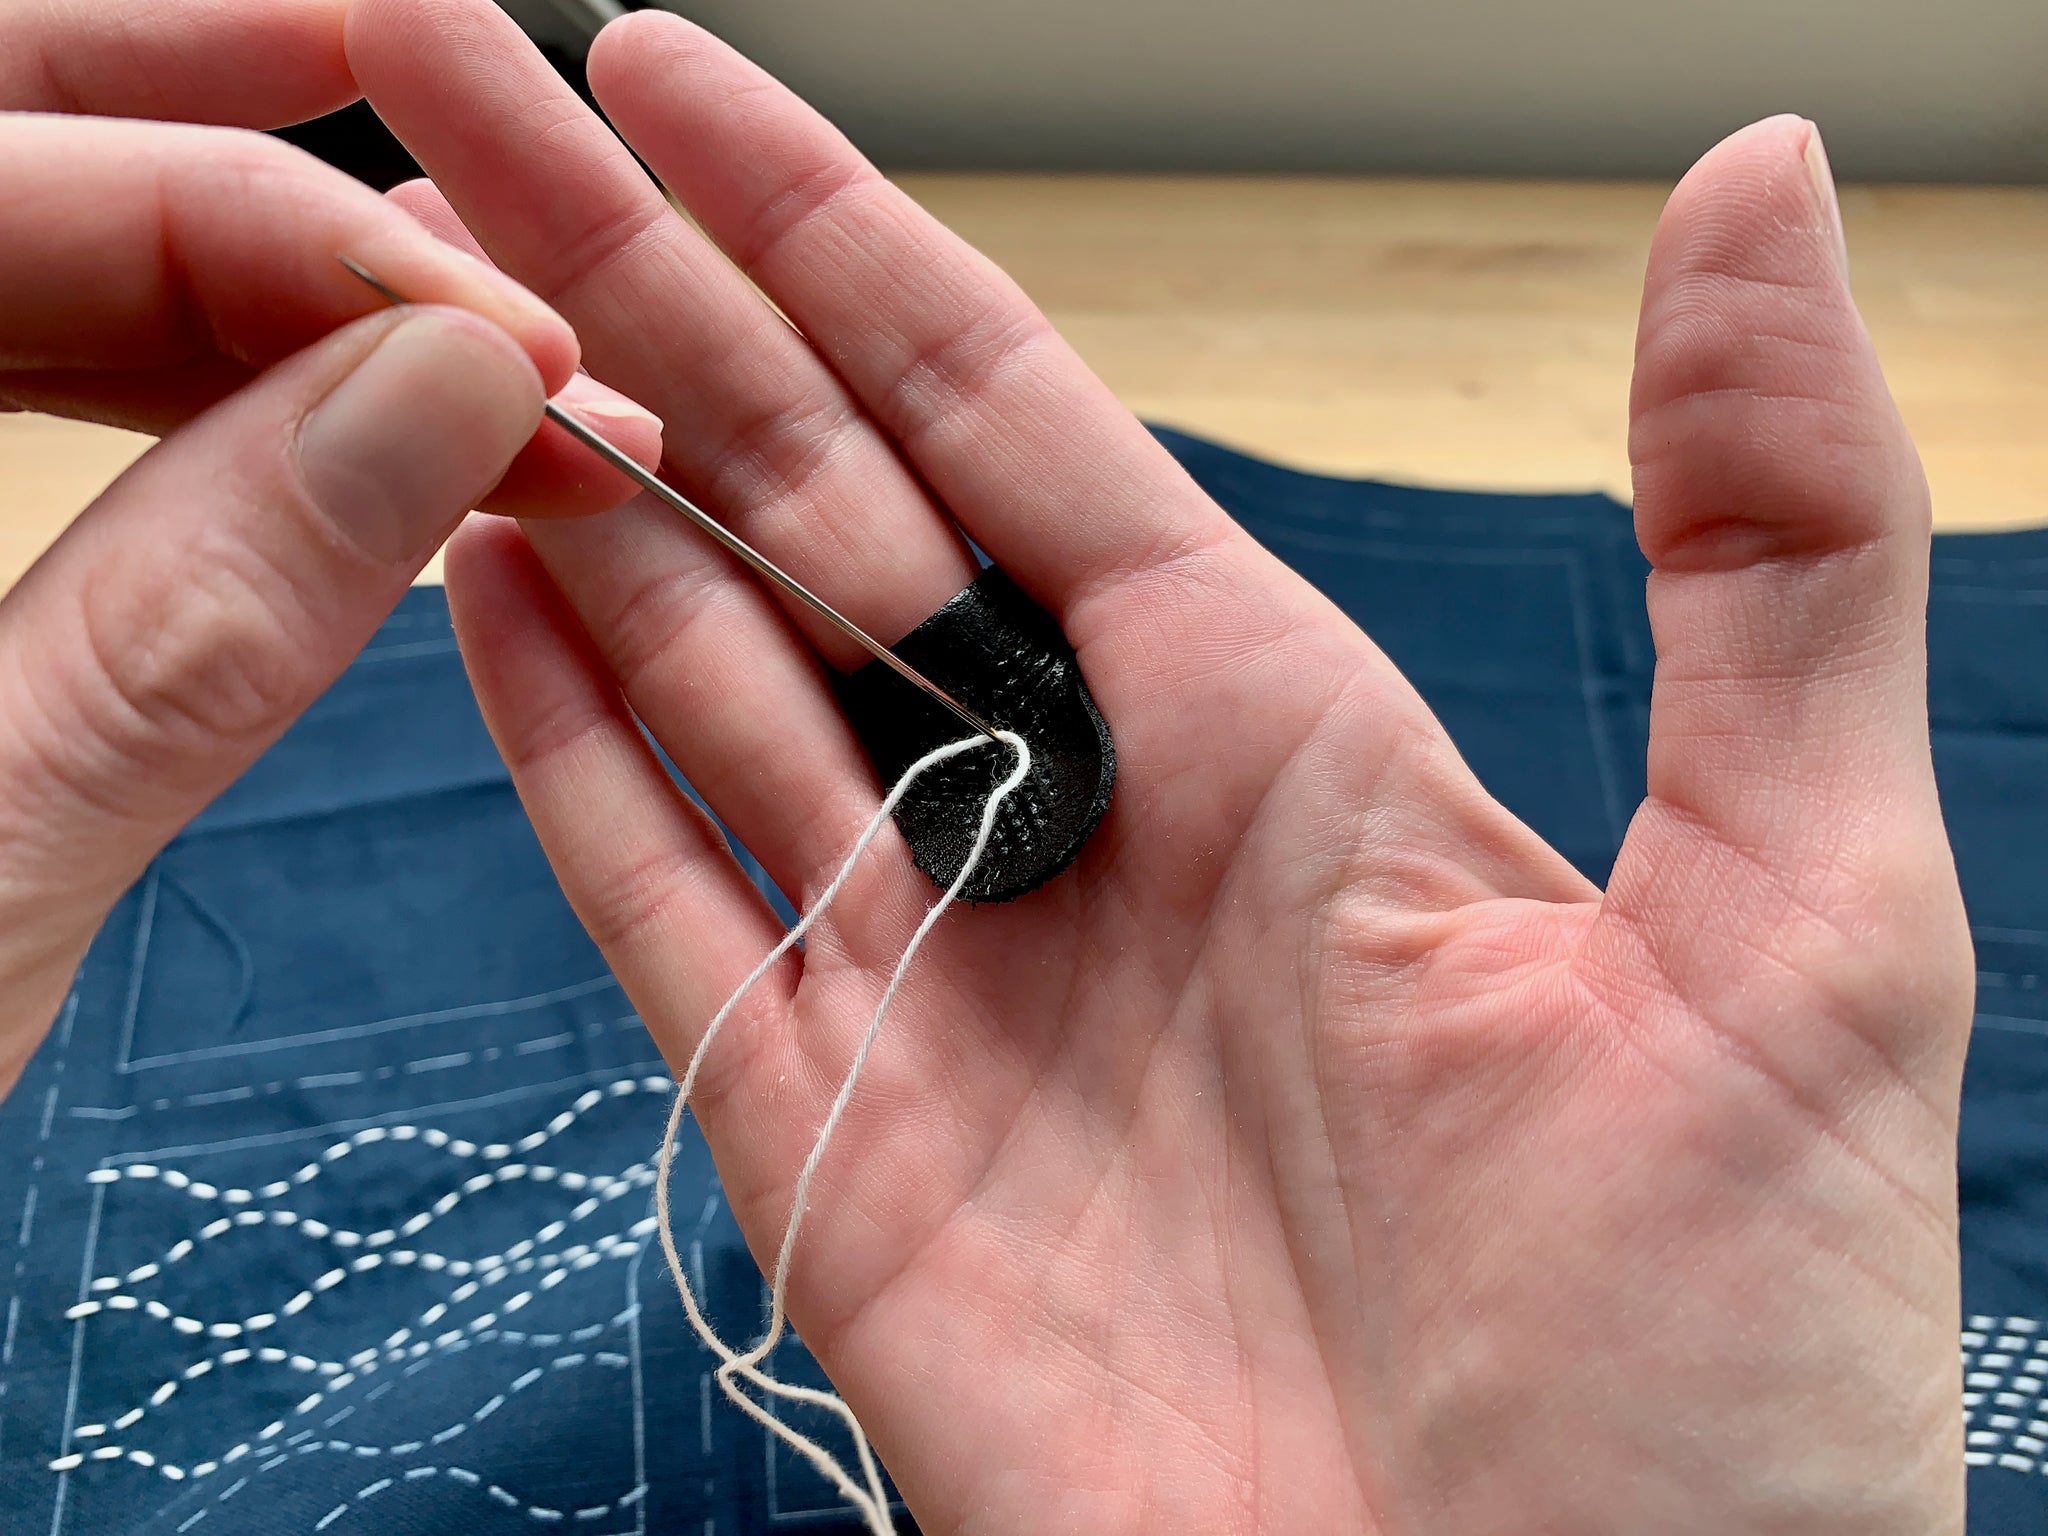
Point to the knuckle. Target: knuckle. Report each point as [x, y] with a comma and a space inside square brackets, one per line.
[1759, 418]
[820, 193]
[549, 737]
[966, 370]
[1888, 952]
[671, 623]
[776, 455]
[636, 899]
[240, 166]
[203, 661]
[645, 624]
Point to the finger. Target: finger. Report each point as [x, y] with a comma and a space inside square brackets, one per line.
[427, 203]
[216, 588]
[698, 650]
[1791, 812]
[554, 475]
[155, 400]
[758, 427]
[1030, 451]
[651, 878]
[195, 61]
[1093, 495]
[145, 247]
[725, 684]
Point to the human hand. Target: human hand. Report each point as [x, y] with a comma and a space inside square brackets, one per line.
[1321, 1152]
[182, 280]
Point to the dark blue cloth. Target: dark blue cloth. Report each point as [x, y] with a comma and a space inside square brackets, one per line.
[345, 1042]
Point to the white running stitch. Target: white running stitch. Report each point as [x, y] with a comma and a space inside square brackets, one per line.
[486, 1271]
[608, 1186]
[460, 1474]
[467, 1479]
[2005, 1375]
[431, 1136]
[457, 1427]
[553, 1265]
[341, 1374]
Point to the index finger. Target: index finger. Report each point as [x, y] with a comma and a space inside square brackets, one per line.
[201, 61]
[132, 246]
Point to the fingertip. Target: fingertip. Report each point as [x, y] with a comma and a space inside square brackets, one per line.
[620, 38]
[206, 61]
[1780, 137]
[489, 344]
[642, 45]
[392, 44]
[419, 426]
[367, 24]
[623, 422]
[480, 557]
[423, 269]
[548, 337]
[557, 477]
[1760, 423]
[376, 37]
[424, 202]
[1759, 203]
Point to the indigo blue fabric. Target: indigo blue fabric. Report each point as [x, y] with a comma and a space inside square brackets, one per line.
[325, 1207]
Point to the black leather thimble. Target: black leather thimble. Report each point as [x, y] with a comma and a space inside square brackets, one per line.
[1002, 655]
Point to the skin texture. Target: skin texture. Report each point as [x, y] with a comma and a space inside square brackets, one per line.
[1321, 1153]
[151, 269]
[181, 280]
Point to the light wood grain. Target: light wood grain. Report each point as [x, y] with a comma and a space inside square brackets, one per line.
[1480, 334]
[1452, 333]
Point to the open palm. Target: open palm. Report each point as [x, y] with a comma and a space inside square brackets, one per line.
[1321, 1152]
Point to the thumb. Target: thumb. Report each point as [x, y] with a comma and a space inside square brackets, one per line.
[1791, 825]
[209, 596]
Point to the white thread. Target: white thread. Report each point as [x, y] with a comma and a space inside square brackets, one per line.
[340, 1374]
[535, 1255]
[2005, 1415]
[609, 1187]
[734, 1366]
[431, 1136]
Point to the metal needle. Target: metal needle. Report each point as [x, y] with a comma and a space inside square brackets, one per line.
[767, 569]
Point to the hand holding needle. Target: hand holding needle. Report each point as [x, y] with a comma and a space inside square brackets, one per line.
[759, 563]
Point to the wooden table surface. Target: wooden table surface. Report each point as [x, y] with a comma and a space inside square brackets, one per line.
[1453, 333]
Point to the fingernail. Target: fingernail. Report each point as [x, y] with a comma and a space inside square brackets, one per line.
[415, 435]
[592, 400]
[1823, 178]
[629, 424]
